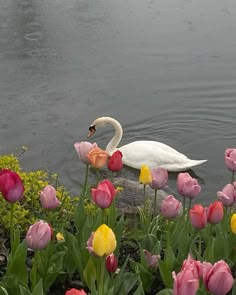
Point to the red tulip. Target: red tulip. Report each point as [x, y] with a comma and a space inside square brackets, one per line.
[217, 278]
[159, 178]
[152, 259]
[230, 159]
[227, 196]
[11, 186]
[74, 291]
[215, 212]
[187, 186]
[185, 283]
[104, 194]
[48, 198]
[198, 216]
[39, 235]
[170, 207]
[115, 163]
[83, 148]
[111, 263]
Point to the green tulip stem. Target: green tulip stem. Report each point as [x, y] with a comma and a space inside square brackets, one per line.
[85, 182]
[189, 204]
[12, 225]
[112, 176]
[199, 243]
[155, 203]
[232, 177]
[184, 204]
[102, 273]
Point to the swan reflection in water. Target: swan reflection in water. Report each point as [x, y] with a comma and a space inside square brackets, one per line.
[144, 152]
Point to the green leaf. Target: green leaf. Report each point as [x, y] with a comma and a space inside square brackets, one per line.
[89, 272]
[165, 292]
[234, 288]
[146, 276]
[38, 289]
[3, 291]
[166, 273]
[24, 291]
[125, 284]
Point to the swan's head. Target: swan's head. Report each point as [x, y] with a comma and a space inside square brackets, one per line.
[99, 122]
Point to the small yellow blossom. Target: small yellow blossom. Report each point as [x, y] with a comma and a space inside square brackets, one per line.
[145, 176]
[60, 237]
[233, 223]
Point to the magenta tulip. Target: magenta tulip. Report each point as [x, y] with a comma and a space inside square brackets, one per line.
[187, 186]
[185, 283]
[170, 207]
[152, 259]
[104, 194]
[230, 159]
[227, 196]
[111, 263]
[11, 186]
[159, 178]
[217, 278]
[39, 235]
[115, 163]
[198, 216]
[215, 212]
[83, 148]
[48, 198]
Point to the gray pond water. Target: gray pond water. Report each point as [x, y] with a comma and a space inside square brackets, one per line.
[165, 69]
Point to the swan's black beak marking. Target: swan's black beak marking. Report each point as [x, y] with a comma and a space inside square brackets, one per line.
[92, 130]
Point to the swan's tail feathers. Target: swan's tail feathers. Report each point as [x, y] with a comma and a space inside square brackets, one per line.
[192, 163]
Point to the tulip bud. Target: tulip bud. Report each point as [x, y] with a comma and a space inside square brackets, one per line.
[97, 157]
[170, 207]
[230, 159]
[145, 176]
[233, 223]
[74, 291]
[215, 212]
[48, 198]
[111, 263]
[11, 186]
[152, 260]
[115, 163]
[83, 148]
[39, 235]
[187, 186]
[227, 196]
[185, 283]
[198, 216]
[159, 178]
[104, 194]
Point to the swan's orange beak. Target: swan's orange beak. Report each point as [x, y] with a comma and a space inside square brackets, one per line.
[92, 130]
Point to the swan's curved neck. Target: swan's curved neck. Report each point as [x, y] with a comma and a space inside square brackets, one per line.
[112, 145]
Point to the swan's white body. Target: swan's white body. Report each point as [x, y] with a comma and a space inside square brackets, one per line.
[144, 152]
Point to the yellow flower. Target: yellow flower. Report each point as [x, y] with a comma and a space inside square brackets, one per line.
[145, 176]
[60, 237]
[97, 157]
[233, 223]
[104, 241]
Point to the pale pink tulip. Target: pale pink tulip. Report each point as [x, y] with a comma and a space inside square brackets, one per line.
[39, 235]
[83, 148]
[228, 195]
[185, 283]
[152, 259]
[159, 178]
[194, 265]
[187, 186]
[230, 159]
[48, 198]
[170, 207]
[198, 216]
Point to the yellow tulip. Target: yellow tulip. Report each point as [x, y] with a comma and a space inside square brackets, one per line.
[233, 223]
[145, 176]
[104, 241]
[60, 237]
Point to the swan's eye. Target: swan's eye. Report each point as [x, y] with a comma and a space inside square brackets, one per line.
[92, 130]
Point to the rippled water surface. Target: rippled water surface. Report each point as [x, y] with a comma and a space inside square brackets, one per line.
[166, 70]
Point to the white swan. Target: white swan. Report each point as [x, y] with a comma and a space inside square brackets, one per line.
[137, 153]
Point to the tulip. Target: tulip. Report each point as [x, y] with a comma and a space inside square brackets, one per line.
[198, 216]
[185, 283]
[115, 163]
[152, 260]
[227, 196]
[230, 159]
[233, 223]
[48, 198]
[104, 194]
[215, 212]
[111, 263]
[74, 291]
[194, 265]
[217, 278]
[170, 207]
[102, 241]
[83, 148]
[11, 186]
[39, 235]
[145, 176]
[97, 157]
[60, 237]
[187, 186]
[159, 178]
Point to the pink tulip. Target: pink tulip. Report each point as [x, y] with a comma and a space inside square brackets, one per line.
[74, 291]
[104, 194]
[187, 186]
[185, 283]
[83, 148]
[111, 263]
[11, 186]
[194, 265]
[170, 207]
[227, 196]
[217, 278]
[198, 216]
[159, 178]
[230, 159]
[39, 235]
[115, 163]
[48, 198]
[215, 212]
[152, 259]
